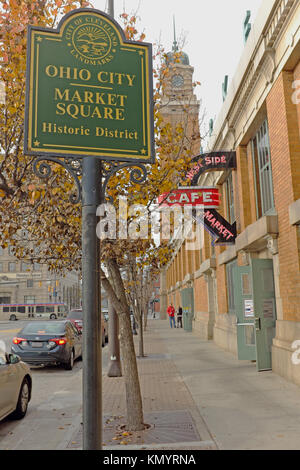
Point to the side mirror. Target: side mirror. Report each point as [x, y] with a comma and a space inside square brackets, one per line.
[13, 359]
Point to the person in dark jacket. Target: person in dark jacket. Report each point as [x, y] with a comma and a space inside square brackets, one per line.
[179, 317]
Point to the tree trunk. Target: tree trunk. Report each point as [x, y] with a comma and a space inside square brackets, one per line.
[141, 336]
[114, 369]
[135, 418]
[145, 315]
[134, 405]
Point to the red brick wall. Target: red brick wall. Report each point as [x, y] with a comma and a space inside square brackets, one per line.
[222, 290]
[285, 157]
[200, 295]
[243, 186]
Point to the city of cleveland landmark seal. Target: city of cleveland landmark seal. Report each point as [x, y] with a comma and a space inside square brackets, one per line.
[92, 41]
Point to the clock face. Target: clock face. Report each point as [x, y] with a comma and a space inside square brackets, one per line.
[177, 81]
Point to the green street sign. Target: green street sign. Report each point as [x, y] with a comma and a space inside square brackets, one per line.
[89, 91]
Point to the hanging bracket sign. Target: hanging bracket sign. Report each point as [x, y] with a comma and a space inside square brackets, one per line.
[211, 161]
[191, 196]
[88, 91]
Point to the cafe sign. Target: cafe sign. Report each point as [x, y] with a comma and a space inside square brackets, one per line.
[89, 91]
[191, 196]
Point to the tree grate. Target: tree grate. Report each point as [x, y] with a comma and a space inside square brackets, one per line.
[165, 428]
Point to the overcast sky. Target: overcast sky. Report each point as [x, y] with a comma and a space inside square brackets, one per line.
[214, 36]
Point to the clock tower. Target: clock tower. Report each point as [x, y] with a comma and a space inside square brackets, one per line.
[179, 103]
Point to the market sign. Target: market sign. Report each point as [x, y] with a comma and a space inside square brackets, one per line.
[88, 91]
[219, 227]
[211, 161]
[193, 196]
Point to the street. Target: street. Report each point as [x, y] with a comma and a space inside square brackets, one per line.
[56, 398]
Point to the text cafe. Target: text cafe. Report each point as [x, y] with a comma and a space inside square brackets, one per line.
[206, 196]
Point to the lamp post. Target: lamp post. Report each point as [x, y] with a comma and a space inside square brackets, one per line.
[111, 11]
[114, 369]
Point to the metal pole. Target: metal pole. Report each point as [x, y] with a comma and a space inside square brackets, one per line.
[114, 369]
[111, 11]
[91, 306]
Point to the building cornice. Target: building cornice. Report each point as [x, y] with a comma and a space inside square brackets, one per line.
[258, 59]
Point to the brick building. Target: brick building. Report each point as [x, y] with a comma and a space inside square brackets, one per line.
[246, 296]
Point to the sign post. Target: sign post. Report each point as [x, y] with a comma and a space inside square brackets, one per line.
[89, 100]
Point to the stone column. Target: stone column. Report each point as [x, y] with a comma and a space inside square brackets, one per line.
[163, 295]
[210, 277]
[272, 245]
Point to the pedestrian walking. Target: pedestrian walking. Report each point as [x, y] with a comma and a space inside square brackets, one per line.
[179, 317]
[171, 313]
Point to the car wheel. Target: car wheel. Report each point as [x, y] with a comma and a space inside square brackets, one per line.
[13, 318]
[69, 365]
[52, 316]
[23, 401]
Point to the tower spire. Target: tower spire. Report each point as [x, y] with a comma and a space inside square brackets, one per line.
[175, 46]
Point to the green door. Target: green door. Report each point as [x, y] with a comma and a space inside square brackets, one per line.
[187, 302]
[243, 302]
[265, 310]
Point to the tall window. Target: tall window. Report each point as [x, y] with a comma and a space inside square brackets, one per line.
[12, 267]
[230, 285]
[29, 299]
[230, 199]
[37, 267]
[262, 171]
[25, 267]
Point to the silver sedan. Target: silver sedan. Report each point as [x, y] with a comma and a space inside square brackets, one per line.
[15, 386]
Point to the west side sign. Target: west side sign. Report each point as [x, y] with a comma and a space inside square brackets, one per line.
[211, 161]
[89, 91]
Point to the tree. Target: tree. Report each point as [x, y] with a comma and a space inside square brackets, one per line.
[35, 206]
[42, 208]
[141, 256]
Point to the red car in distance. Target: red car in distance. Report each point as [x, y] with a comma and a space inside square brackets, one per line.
[76, 317]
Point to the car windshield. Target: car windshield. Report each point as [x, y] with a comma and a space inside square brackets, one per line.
[75, 315]
[44, 328]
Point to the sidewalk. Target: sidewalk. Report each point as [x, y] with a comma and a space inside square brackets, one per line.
[242, 408]
[196, 396]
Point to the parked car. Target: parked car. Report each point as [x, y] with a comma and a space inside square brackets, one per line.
[76, 317]
[15, 386]
[44, 343]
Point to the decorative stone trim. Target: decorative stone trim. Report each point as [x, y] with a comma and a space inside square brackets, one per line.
[272, 245]
[227, 255]
[188, 278]
[255, 236]
[206, 267]
[258, 59]
[294, 211]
